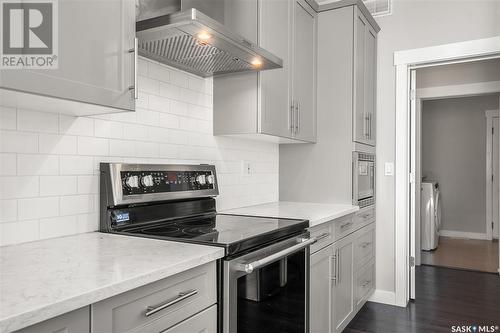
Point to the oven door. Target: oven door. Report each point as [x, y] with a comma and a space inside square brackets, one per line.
[267, 290]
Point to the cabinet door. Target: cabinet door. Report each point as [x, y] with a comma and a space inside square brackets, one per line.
[342, 290]
[77, 321]
[304, 71]
[360, 118]
[275, 36]
[95, 65]
[370, 82]
[321, 288]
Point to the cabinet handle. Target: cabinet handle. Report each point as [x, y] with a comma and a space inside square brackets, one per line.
[297, 110]
[135, 51]
[337, 270]
[367, 119]
[366, 283]
[151, 310]
[292, 125]
[334, 267]
[320, 237]
[365, 216]
[370, 126]
[345, 225]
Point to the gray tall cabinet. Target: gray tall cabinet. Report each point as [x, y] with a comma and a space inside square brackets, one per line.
[277, 105]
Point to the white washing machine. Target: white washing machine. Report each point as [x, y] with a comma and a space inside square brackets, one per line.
[430, 215]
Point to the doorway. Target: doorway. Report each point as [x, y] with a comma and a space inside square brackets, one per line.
[453, 162]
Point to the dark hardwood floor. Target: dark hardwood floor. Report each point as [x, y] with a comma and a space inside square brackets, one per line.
[444, 297]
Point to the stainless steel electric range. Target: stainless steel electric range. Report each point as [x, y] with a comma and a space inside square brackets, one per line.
[264, 276]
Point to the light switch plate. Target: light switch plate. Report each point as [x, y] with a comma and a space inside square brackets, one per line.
[389, 168]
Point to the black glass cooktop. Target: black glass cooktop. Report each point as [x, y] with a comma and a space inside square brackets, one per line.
[235, 233]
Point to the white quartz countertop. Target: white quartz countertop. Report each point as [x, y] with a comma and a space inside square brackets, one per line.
[43, 279]
[316, 213]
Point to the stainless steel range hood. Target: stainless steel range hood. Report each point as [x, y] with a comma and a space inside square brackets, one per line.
[194, 42]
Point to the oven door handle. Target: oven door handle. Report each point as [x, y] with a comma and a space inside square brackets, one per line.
[250, 267]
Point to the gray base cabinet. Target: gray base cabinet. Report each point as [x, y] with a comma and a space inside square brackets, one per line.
[342, 270]
[77, 321]
[185, 302]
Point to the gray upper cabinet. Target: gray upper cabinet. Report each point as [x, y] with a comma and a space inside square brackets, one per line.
[277, 105]
[304, 73]
[365, 68]
[96, 62]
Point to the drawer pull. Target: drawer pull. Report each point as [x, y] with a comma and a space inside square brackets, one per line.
[151, 310]
[365, 216]
[346, 225]
[365, 244]
[366, 283]
[320, 237]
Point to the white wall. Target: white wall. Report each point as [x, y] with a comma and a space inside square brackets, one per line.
[49, 162]
[454, 154]
[414, 24]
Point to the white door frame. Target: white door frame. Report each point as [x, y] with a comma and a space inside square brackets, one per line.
[490, 114]
[404, 60]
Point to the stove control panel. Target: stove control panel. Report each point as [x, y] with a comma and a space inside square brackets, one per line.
[140, 182]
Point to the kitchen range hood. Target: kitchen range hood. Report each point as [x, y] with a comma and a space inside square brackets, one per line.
[194, 42]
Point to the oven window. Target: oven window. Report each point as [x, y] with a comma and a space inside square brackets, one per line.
[273, 298]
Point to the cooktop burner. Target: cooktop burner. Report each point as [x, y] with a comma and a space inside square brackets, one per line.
[233, 232]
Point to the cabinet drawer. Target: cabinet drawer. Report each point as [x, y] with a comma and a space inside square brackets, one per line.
[365, 216]
[159, 305]
[343, 227]
[364, 284]
[324, 235]
[203, 322]
[72, 322]
[364, 246]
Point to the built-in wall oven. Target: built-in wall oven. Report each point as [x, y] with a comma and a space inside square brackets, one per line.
[363, 176]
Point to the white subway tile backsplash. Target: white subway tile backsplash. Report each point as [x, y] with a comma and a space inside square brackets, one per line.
[88, 184]
[18, 142]
[76, 165]
[8, 210]
[58, 226]
[8, 118]
[44, 122]
[19, 232]
[57, 144]
[12, 187]
[50, 181]
[76, 125]
[108, 129]
[8, 164]
[93, 146]
[76, 204]
[36, 164]
[35, 208]
[58, 185]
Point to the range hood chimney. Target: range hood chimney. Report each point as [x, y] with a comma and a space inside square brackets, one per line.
[177, 33]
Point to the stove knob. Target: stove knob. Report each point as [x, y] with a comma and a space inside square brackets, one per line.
[210, 179]
[147, 181]
[200, 179]
[132, 181]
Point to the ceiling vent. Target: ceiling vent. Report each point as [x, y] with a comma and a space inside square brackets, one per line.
[379, 7]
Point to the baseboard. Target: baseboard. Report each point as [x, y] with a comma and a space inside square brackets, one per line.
[383, 296]
[462, 234]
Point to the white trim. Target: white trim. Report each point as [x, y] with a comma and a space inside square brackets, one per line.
[447, 52]
[490, 114]
[459, 90]
[462, 234]
[403, 60]
[383, 296]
